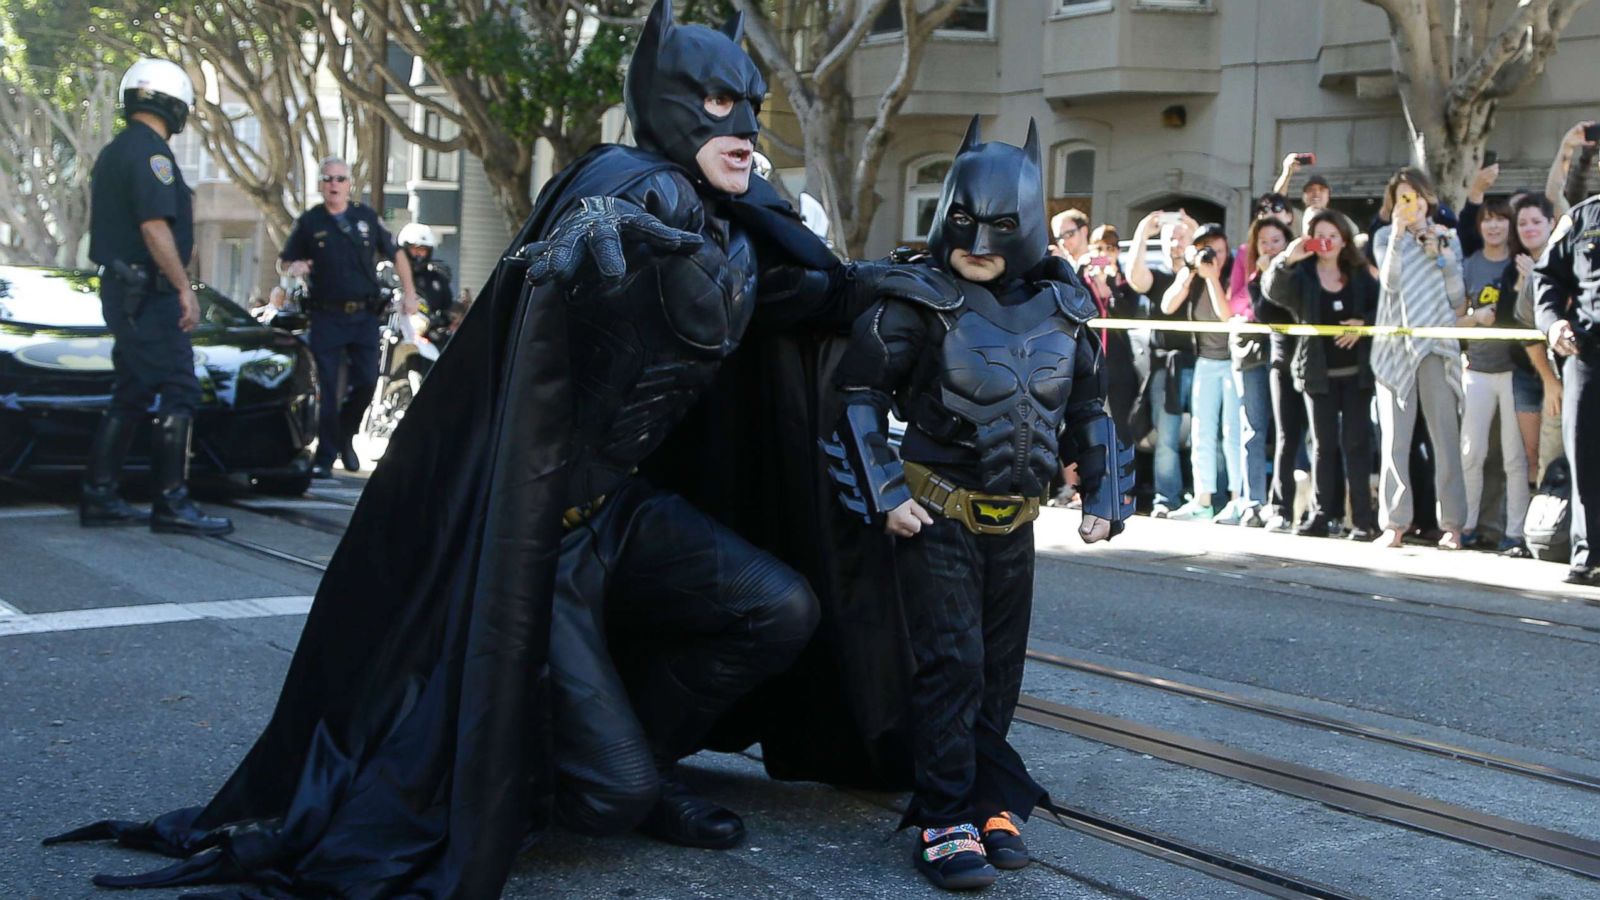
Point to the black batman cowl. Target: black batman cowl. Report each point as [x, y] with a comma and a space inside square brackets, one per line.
[1000, 188]
[674, 69]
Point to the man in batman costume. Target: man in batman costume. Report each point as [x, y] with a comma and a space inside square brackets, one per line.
[984, 353]
[454, 691]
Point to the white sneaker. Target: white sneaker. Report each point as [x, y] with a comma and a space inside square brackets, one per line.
[1192, 512]
[1230, 514]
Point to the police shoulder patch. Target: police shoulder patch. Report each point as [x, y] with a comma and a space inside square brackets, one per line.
[162, 167]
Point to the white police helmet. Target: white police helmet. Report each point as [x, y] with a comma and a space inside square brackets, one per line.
[416, 234]
[158, 86]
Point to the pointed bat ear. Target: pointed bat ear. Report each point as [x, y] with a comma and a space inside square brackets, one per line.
[1031, 147]
[974, 135]
[734, 27]
[660, 20]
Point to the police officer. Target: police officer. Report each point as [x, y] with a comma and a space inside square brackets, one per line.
[335, 247]
[1566, 285]
[141, 232]
[431, 277]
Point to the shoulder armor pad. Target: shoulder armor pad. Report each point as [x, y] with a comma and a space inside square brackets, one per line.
[921, 285]
[1074, 300]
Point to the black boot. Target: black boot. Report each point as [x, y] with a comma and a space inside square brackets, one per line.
[685, 818]
[173, 512]
[99, 503]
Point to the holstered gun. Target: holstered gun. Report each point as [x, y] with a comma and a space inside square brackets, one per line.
[136, 283]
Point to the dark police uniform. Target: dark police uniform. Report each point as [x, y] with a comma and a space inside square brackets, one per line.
[1566, 285]
[342, 299]
[135, 180]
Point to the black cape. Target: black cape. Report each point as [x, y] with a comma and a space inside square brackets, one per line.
[409, 753]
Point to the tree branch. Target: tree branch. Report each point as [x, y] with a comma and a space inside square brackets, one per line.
[840, 54]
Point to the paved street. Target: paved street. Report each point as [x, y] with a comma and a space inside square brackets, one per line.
[135, 670]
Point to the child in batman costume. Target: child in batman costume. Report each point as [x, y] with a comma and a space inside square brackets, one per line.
[518, 629]
[984, 353]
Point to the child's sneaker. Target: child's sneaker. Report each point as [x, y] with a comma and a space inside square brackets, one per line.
[952, 858]
[1002, 843]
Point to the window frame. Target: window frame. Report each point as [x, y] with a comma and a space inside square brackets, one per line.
[912, 194]
[956, 34]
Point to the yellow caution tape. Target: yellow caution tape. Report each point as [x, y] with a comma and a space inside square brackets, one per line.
[1460, 334]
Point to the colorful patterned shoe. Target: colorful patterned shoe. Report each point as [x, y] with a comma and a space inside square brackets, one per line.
[952, 858]
[1002, 843]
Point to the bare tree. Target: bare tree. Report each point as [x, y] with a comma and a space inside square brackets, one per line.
[252, 61]
[1453, 65]
[841, 172]
[49, 141]
[510, 73]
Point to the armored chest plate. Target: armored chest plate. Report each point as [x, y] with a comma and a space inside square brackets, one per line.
[645, 349]
[1007, 370]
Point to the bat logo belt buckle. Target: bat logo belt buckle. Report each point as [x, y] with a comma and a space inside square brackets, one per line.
[981, 513]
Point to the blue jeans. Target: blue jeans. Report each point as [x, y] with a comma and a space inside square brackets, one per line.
[1254, 387]
[1169, 432]
[1215, 406]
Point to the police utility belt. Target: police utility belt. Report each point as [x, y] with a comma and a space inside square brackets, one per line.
[348, 307]
[981, 513]
[138, 279]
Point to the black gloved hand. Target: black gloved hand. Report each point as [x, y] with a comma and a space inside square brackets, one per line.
[595, 232]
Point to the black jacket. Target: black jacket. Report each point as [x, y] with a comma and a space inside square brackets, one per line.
[1296, 289]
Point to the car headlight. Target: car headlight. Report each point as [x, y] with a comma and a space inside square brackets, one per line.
[268, 371]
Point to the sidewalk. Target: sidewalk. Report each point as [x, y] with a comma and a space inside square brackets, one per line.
[1241, 548]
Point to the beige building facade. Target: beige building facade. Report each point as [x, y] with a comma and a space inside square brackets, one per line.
[1152, 104]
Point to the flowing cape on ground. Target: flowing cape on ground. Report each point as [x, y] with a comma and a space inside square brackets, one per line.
[409, 753]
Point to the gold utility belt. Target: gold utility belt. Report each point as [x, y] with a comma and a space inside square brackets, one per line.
[981, 513]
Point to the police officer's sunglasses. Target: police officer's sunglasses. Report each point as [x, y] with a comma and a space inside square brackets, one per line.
[339, 178]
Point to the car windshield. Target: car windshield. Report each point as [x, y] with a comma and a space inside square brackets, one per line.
[66, 298]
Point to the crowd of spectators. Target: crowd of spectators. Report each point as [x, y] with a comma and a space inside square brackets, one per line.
[1457, 431]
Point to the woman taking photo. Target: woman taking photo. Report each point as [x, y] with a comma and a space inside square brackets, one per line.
[1323, 280]
[1268, 237]
[1419, 266]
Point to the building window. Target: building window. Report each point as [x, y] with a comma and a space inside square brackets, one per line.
[970, 18]
[236, 265]
[924, 182]
[438, 166]
[1073, 183]
[1173, 4]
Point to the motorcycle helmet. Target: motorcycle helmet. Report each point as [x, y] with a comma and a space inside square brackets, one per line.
[416, 234]
[158, 86]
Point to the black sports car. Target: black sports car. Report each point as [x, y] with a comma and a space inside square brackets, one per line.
[259, 411]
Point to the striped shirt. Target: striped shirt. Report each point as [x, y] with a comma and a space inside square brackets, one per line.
[1416, 292]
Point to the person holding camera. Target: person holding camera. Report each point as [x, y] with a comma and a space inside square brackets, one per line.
[1421, 286]
[1269, 237]
[335, 246]
[1487, 381]
[1323, 279]
[1198, 294]
[1171, 354]
[1115, 298]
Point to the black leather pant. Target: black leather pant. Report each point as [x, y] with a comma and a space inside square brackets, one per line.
[968, 600]
[663, 618]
